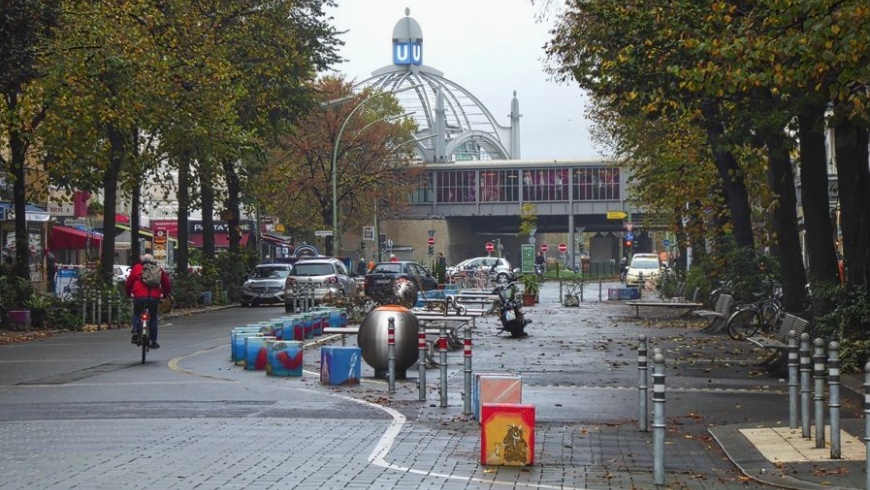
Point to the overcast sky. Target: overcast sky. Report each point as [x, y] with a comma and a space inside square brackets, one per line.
[491, 48]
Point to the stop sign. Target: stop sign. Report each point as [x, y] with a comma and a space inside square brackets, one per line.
[490, 247]
[563, 248]
[544, 247]
[431, 240]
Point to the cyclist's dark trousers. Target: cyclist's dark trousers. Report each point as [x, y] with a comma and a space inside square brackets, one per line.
[139, 304]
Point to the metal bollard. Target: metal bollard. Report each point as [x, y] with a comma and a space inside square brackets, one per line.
[93, 298]
[793, 380]
[834, 397]
[658, 424]
[642, 388]
[599, 291]
[867, 424]
[805, 385]
[391, 355]
[582, 286]
[110, 302]
[421, 364]
[466, 408]
[99, 309]
[442, 347]
[819, 394]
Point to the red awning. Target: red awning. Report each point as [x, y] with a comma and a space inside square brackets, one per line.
[221, 240]
[64, 237]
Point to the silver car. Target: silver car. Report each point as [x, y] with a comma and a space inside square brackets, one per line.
[265, 284]
[318, 278]
[499, 268]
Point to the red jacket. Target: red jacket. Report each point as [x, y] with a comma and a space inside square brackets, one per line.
[138, 289]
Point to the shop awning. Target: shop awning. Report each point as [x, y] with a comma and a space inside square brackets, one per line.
[65, 237]
[32, 213]
[275, 239]
[221, 240]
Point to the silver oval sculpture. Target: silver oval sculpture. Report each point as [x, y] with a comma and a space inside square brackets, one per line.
[373, 336]
[405, 293]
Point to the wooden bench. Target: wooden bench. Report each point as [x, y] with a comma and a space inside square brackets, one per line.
[717, 318]
[778, 344]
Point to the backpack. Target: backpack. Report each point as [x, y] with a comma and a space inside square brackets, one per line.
[151, 275]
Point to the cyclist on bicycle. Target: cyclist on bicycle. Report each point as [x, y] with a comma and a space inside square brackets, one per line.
[146, 292]
[540, 264]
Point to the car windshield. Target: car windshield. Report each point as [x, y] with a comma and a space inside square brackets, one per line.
[269, 273]
[387, 269]
[645, 264]
[316, 269]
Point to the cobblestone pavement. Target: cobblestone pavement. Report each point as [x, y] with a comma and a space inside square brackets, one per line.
[198, 422]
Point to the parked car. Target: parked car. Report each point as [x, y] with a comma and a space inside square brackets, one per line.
[120, 272]
[499, 268]
[265, 284]
[329, 277]
[384, 281]
[647, 265]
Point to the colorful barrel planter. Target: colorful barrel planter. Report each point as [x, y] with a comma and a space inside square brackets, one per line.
[340, 365]
[309, 325]
[237, 342]
[255, 352]
[284, 358]
[338, 318]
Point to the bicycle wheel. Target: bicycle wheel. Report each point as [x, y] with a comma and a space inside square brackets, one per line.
[743, 323]
[770, 314]
[145, 341]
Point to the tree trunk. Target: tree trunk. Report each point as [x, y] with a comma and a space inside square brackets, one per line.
[207, 198]
[731, 179]
[135, 206]
[18, 149]
[819, 232]
[232, 206]
[853, 178]
[781, 181]
[117, 150]
[182, 259]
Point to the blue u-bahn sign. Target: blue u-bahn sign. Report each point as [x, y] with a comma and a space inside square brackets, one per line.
[408, 52]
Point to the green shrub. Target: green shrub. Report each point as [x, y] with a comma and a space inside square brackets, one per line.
[845, 324]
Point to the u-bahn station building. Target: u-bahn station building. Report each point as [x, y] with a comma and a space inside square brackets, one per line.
[477, 182]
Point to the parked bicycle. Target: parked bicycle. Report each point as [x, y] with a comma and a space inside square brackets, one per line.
[752, 318]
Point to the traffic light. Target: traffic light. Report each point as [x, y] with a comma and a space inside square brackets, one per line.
[628, 246]
[362, 246]
[431, 249]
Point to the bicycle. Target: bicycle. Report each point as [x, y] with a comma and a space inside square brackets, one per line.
[144, 338]
[751, 318]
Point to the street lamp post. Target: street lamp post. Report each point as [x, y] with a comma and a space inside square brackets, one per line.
[336, 235]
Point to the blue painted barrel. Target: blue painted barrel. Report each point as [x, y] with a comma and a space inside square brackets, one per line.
[340, 365]
[237, 342]
[284, 358]
[255, 352]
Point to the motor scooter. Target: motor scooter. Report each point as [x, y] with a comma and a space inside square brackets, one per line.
[510, 311]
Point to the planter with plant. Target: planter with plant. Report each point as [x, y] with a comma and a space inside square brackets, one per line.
[38, 305]
[531, 287]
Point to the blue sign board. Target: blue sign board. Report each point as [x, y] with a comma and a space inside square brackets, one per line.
[666, 243]
[408, 52]
[629, 235]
